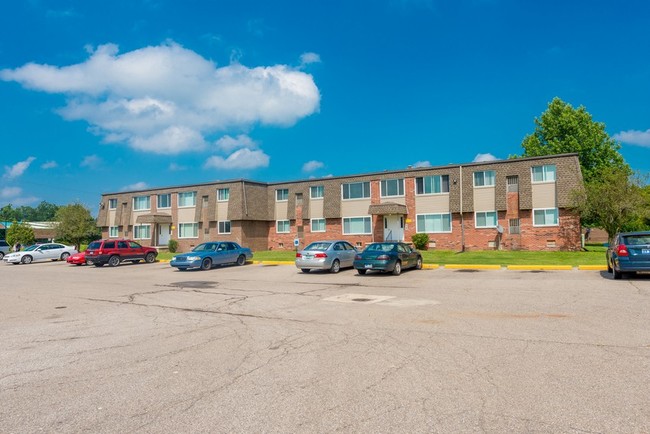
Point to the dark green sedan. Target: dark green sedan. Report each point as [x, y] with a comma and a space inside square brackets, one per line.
[388, 257]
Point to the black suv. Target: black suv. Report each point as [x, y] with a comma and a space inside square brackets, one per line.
[112, 252]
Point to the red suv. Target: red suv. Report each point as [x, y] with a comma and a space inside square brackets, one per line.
[112, 252]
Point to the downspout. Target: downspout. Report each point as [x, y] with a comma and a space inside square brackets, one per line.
[243, 187]
[462, 218]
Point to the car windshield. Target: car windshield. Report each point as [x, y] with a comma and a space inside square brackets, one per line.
[381, 247]
[205, 247]
[30, 248]
[318, 246]
[94, 245]
[636, 240]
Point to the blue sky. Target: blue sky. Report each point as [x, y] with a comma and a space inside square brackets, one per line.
[101, 97]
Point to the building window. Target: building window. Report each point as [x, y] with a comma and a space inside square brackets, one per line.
[164, 201]
[356, 190]
[357, 225]
[435, 184]
[316, 192]
[223, 194]
[318, 225]
[432, 223]
[282, 226]
[392, 187]
[188, 230]
[543, 173]
[486, 219]
[282, 195]
[187, 199]
[112, 203]
[545, 217]
[141, 203]
[485, 178]
[142, 232]
[513, 225]
[224, 227]
[113, 232]
[512, 183]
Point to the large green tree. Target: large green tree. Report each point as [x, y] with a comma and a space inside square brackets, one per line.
[20, 233]
[75, 224]
[563, 129]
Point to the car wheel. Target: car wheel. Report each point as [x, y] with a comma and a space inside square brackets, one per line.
[150, 258]
[609, 267]
[305, 270]
[2, 255]
[64, 256]
[418, 264]
[206, 264]
[398, 268]
[241, 260]
[362, 272]
[114, 261]
[336, 266]
[617, 274]
[26, 259]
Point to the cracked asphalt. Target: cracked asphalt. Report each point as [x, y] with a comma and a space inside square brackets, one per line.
[146, 348]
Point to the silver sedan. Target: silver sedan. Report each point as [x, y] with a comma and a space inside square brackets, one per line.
[326, 255]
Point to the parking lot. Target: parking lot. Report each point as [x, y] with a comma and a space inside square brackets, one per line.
[146, 348]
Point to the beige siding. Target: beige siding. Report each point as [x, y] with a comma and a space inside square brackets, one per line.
[433, 204]
[485, 199]
[111, 217]
[543, 195]
[222, 211]
[355, 208]
[186, 215]
[398, 199]
[316, 208]
[281, 210]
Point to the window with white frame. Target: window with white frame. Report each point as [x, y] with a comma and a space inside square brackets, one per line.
[433, 223]
[188, 230]
[224, 227]
[112, 203]
[282, 226]
[281, 194]
[223, 194]
[164, 201]
[485, 219]
[545, 217]
[357, 225]
[141, 203]
[356, 190]
[486, 178]
[142, 232]
[318, 225]
[186, 199]
[544, 173]
[434, 184]
[316, 191]
[392, 187]
[113, 232]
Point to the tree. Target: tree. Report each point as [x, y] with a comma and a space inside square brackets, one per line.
[20, 233]
[75, 224]
[45, 212]
[562, 129]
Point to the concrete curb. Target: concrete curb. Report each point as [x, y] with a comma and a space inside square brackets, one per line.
[593, 267]
[539, 267]
[479, 266]
[472, 267]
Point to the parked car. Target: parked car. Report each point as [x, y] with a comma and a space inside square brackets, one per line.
[77, 258]
[389, 256]
[207, 255]
[40, 252]
[114, 252]
[326, 255]
[4, 248]
[629, 253]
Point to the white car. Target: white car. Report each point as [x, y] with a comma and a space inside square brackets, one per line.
[40, 252]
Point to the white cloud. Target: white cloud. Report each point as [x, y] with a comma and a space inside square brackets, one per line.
[49, 165]
[91, 161]
[480, 158]
[307, 58]
[312, 165]
[20, 201]
[174, 167]
[228, 144]
[424, 163]
[137, 186]
[7, 192]
[241, 159]
[18, 169]
[167, 99]
[634, 137]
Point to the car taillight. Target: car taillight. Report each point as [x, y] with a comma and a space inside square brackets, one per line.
[383, 258]
[99, 252]
[298, 255]
[621, 250]
[320, 255]
[357, 257]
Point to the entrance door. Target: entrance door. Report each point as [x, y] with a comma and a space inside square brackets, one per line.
[164, 233]
[394, 228]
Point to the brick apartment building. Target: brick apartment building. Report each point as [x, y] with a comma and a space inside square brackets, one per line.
[506, 204]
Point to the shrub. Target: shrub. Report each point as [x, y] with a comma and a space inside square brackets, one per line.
[173, 246]
[420, 241]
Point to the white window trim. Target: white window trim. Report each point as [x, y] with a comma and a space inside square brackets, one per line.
[358, 198]
[484, 186]
[545, 225]
[415, 187]
[486, 227]
[532, 176]
[356, 217]
[186, 206]
[381, 190]
[141, 209]
[321, 197]
[139, 226]
[276, 195]
[282, 232]
[109, 204]
[223, 200]
[451, 223]
[113, 236]
[311, 225]
[187, 223]
[219, 229]
[164, 207]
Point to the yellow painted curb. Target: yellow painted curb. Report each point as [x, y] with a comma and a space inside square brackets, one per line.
[472, 266]
[274, 262]
[430, 266]
[540, 267]
[592, 267]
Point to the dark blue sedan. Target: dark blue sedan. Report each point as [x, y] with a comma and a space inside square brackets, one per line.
[207, 255]
[393, 257]
[629, 253]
